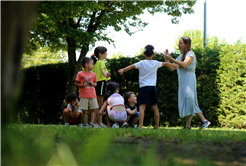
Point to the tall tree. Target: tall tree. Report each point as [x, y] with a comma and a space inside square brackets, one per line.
[76, 25]
[17, 18]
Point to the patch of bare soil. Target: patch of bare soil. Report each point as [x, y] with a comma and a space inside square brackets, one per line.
[223, 153]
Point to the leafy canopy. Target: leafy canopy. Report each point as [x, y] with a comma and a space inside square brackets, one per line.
[87, 21]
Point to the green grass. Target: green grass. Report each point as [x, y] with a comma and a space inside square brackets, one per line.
[28, 144]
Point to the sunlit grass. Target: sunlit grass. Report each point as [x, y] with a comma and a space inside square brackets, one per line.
[28, 144]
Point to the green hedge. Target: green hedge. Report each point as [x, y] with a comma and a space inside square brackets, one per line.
[42, 94]
[231, 79]
[45, 86]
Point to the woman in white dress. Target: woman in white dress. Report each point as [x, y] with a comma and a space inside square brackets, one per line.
[187, 94]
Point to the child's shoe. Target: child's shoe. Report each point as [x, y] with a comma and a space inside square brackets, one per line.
[86, 125]
[79, 125]
[97, 126]
[103, 125]
[92, 125]
[125, 125]
[115, 125]
[204, 124]
[67, 124]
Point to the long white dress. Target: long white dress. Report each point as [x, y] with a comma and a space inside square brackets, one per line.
[187, 95]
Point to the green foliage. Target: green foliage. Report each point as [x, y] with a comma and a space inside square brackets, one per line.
[43, 91]
[86, 21]
[197, 40]
[43, 56]
[231, 79]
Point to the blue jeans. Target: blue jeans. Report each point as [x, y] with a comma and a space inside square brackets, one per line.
[132, 117]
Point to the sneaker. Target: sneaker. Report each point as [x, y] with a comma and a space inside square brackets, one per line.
[186, 127]
[115, 126]
[97, 126]
[125, 125]
[92, 125]
[86, 125]
[103, 125]
[67, 124]
[79, 125]
[204, 124]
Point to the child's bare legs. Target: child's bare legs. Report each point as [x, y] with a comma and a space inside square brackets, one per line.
[201, 117]
[99, 117]
[85, 116]
[156, 115]
[66, 116]
[94, 113]
[141, 115]
[80, 117]
[135, 120]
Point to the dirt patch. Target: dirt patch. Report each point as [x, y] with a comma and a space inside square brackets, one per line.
[222, 153]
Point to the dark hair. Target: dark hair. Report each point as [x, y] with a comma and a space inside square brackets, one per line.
[149, 50]
[110, 88]
[85, 60]
[71, 97]
[99, 49]
[127, 95]
[187, 42]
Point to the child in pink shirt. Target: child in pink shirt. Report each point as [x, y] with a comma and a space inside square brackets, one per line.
[86, 81]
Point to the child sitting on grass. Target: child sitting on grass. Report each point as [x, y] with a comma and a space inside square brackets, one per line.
[114, 103]
[131, 109]
[72, 115]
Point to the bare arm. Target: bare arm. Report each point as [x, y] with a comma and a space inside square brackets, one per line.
[80, 85]
[183, 64]
[121, 71]
[131, 112]
[103, 108]
[75, 112]
[171, 66]
[105, 74]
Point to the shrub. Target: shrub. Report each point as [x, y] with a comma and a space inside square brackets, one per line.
[231, 78]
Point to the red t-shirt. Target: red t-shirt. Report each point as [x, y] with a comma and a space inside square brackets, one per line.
[89, 91]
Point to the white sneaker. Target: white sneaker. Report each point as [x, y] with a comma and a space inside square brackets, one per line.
[115, 125]
[67, 124]
[96, 126]
[79, 125]
[103, 125]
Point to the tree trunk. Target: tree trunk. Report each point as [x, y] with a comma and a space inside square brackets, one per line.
[17, 18]
[73, 67]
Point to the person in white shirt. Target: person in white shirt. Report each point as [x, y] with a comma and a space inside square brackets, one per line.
[147, 83]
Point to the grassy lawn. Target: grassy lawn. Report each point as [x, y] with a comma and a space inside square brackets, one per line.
[28, 144]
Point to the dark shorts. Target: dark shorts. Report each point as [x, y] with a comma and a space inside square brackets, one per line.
[148, 93]
[132, 117]
[101, 88]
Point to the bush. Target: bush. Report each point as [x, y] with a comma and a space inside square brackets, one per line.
[43, 91]
[231, 79]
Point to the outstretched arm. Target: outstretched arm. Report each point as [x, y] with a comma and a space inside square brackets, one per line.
[121, 71]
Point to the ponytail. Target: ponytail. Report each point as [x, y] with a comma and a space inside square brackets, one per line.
[99, 49]
[94, 58]
[111, 88]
